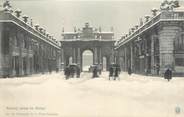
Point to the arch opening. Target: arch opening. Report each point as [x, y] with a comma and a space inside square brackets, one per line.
[87, 60]
[70, 60]
[104, 63]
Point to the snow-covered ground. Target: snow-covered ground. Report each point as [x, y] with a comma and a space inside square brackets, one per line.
[51, 95]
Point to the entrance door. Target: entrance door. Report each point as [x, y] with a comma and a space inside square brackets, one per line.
[87, 60]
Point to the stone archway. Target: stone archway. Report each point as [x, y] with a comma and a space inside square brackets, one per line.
[100, 43]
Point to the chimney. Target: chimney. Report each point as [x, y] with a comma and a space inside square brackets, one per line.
[154, 11]
[37, 26]
[147, 17]
[25, 18]
[18, 13]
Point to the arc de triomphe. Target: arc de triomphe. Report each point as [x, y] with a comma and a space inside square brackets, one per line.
[101, 44]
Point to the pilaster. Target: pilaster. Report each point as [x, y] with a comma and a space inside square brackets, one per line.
[166, 38]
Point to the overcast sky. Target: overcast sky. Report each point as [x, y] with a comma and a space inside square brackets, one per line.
[55, 14]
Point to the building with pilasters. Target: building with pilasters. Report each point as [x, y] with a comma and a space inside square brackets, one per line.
[100, 43]
[25, 49]
[155, 44]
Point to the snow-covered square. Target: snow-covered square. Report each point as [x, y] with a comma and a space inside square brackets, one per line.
[131, 96]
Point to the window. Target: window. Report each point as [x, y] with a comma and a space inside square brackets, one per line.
[179, 43]
[15, 41]
[23, 43]
[179, 61]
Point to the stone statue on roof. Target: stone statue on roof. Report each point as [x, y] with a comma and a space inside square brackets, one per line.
[6, 4]
[169, 5]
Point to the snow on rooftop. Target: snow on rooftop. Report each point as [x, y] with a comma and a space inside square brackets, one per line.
[179, 9]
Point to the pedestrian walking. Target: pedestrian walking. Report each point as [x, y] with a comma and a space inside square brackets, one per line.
[72, 71]
[78, 71]
[67, 72]
[95, 72]
[129, 71]
[111, 70]
[116, 74]
[168, 74]
[99, 69]
[157, 68]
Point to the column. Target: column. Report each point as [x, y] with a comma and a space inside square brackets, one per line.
[1, 57]
[73, 55]
[100, 55]
[152, 55]
[95, 56]
[62, 59]
[112, 56]
[78, 56]
[100, 58]
[131, 54]
[20, 38]
[125, 65]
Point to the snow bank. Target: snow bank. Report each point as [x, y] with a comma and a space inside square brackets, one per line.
[131, 96]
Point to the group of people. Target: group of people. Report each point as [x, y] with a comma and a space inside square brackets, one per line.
[95, 72]
[114, 72]
[71, 71]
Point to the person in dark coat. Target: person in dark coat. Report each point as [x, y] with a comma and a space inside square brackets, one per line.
[78, 71]
[168, 74]
[72, 71]
[111, 70]
[117, 71]
[95, 71]
[99, 69]
[57, 69]
[67, 72]
[157, 68]
[129, 71]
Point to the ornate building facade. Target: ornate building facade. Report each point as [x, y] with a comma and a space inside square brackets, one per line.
[25, 49]
[155, 44]
[100, 43]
